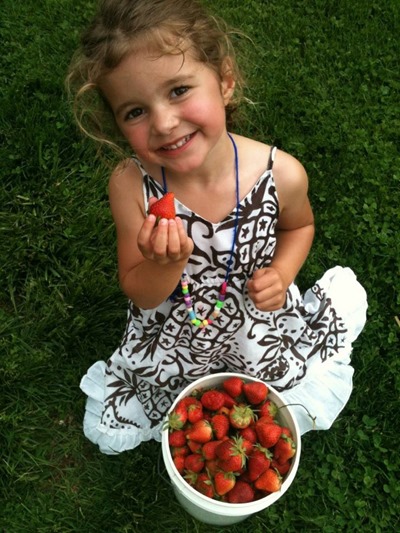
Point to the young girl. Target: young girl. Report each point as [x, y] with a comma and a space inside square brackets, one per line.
[212, 289]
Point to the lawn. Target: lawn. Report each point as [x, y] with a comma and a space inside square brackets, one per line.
[323, 77]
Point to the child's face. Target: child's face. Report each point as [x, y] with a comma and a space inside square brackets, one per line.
[171, 109]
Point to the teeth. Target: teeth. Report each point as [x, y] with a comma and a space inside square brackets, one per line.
[178, 144]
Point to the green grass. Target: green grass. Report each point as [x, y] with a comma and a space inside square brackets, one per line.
[324, 79]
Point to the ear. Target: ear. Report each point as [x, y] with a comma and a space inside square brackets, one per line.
[227, 81]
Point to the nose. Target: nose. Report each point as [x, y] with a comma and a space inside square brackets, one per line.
[164, 119]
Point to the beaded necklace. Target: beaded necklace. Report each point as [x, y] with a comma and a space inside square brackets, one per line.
[197, 322]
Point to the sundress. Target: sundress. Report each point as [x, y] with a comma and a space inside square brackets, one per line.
[302, 350]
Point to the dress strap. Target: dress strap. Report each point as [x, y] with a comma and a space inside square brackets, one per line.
[271, 157]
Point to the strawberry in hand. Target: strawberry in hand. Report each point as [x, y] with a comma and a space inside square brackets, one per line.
[164, 208]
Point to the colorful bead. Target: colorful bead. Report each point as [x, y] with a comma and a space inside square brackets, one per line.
[189, 304]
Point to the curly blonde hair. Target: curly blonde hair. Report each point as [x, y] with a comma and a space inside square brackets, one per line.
[122, 27]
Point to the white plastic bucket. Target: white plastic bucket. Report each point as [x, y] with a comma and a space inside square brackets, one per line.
[212, 511]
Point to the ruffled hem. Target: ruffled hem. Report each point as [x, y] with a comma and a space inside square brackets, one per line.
[317, 401]
[348, 297]
[110, 441]
[327, 387]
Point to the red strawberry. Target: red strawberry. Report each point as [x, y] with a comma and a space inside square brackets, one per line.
[220, 425]
[244, 476]
[234, 464]
[229, 401]
[194, 462]
[286, 431]
[249, 434]
[224, 482]
[177, 438]
[211, 466]
[241, 416]
[164, 208]
[282, 468]
[209, 449]
[268, 434]
[187, 400]
[178, 417]
[223, 411]
[201, 431]
[195, 411]
[268, 409]
[248, 447]
[179, 462]
[181, 451]
[266, 420]
[242, 492]
[213, 400]
[269, 481]
[194, 446]
[233, 386]
[259, 461]
[204, 485]
[231, 454]
[284, 449]
[255, 392]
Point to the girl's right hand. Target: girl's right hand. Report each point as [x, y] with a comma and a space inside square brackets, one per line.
[165, 242]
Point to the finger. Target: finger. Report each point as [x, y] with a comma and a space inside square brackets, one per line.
[270, 303]
[261, 280]
[174, 243]
[160, 239]
[258, 273]
[146, 231]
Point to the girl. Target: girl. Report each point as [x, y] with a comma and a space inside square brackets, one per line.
[212, 289]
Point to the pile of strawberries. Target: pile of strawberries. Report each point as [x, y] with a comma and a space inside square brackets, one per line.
[227, 442]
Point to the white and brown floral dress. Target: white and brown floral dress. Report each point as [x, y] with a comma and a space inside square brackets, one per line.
[303, 350]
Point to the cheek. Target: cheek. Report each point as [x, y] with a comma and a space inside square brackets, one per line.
[206, 112]
[137, 136]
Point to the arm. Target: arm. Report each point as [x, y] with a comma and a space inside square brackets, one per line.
[151, 257]
[294, 234]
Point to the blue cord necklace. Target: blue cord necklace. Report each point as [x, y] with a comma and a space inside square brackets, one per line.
[197, 322]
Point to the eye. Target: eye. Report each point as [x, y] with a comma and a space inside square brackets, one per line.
[134, 113]
[179, 91]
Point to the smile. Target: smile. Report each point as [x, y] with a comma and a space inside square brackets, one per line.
[179, 144]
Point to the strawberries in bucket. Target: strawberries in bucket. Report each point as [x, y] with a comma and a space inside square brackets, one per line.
[240, 445]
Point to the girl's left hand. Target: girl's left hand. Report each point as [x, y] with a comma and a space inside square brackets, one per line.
[267, 289]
